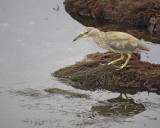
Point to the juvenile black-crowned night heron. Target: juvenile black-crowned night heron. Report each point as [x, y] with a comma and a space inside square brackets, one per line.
[118, 42]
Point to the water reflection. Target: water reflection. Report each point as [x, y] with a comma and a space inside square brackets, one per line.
[119, 106]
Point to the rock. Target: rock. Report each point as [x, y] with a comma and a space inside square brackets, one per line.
[90, 74]
[67, 93]
[154, 25]
[131, 16]
[136, 12]
[153, 21]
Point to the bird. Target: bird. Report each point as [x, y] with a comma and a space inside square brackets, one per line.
[115, 41]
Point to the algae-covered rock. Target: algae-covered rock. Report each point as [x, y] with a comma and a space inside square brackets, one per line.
[130, 16]
[94, 73]
[67, 93]
[135, 12]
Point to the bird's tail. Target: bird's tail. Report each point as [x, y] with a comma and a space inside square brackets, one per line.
[144, 47]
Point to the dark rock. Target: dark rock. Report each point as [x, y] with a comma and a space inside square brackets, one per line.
[131, 16]
[136, 12]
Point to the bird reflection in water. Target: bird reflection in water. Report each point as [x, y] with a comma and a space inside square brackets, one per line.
[119, 107]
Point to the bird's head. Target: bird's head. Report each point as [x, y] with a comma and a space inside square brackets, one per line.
[88, 31]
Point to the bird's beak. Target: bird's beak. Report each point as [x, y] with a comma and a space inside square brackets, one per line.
[81, 36]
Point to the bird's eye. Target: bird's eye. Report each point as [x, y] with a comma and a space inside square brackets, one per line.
[86, 32]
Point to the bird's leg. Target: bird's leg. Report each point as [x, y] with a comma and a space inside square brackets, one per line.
[113, 62]
[125, 64]
[126, 97]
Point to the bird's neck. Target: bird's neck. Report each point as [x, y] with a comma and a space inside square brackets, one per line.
[99, 37]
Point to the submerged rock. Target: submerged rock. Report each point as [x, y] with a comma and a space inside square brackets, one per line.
[90, 74]
[67, 93]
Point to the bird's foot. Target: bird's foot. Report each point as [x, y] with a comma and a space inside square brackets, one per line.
[102, 64]
[128, 66]
[123, 66]
[111, 63]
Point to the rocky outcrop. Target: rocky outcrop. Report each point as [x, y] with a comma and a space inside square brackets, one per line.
[131, 16]
[91, 74]
[136, 12]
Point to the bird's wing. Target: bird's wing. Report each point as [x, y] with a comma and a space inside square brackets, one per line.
[122, 41]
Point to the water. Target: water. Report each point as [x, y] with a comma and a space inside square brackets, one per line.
[36, 40]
